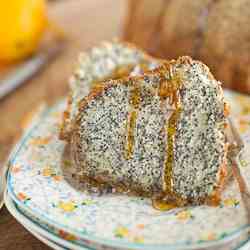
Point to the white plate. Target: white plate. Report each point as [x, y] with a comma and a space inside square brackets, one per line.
[43, 235]
[39, 182]
[48, 238]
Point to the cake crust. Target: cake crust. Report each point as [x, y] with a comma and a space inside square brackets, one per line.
[185, 161]
[109, 60]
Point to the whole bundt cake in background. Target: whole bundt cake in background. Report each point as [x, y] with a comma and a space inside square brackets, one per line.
[214, 31]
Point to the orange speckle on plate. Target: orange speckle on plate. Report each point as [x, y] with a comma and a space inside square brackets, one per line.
[67, 236]
[40, 141]
[15, 169]
[22, 196]
[57, 177]
[226, 109]
[208, 236]
[140, 226]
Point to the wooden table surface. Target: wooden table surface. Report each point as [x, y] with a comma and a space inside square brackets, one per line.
[87, 22]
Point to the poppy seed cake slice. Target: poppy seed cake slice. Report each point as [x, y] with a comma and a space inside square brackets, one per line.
[110, 60]
[160, 134]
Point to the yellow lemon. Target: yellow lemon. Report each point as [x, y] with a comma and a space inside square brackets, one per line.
[22, 23]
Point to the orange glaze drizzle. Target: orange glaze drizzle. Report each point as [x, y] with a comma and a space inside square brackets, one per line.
[169, 199]
[132, 117]
[170, 134]
[169, 90]
[134, 102]
[120, 72]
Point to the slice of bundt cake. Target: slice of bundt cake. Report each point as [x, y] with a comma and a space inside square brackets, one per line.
[160, 134]
[108, 61]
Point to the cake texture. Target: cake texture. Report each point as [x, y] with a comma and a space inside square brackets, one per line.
[110, 60]
[159, 134]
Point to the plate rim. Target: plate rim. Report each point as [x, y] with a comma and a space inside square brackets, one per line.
[33, 226]
[87, 236]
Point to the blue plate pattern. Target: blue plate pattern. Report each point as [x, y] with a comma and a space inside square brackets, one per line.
[39, 183]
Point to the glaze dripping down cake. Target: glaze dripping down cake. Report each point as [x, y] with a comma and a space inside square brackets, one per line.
[157, 133]
[110, 60]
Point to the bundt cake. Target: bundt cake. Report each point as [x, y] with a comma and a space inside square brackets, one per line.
[110, 60]
[216, 32]
[159, 134]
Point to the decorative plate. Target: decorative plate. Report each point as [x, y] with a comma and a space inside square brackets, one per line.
[42, 234]
[40, 183]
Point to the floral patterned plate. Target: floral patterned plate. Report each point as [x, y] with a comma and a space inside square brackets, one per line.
[42, 234]
[40, 183]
